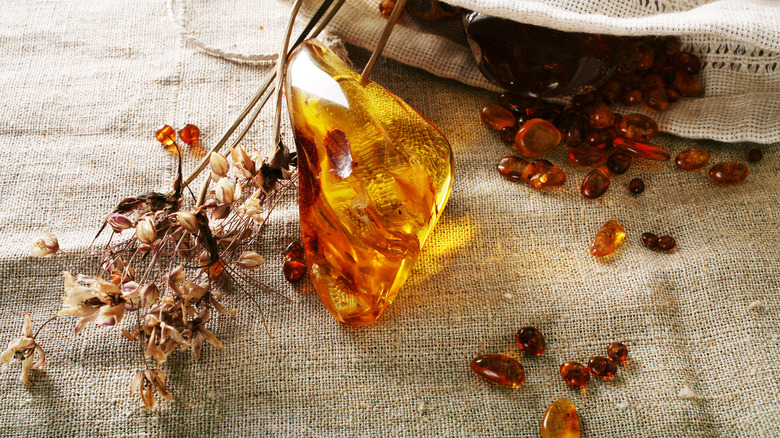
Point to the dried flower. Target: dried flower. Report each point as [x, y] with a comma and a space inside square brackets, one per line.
[145, 231]
[46, 245]
[219, 165]
[119, 222]
[187, 221]
[225, 191]
[250, 260]
[149, 294]
[220, 212]
[146, 383]
[95, 299]
[24, 349]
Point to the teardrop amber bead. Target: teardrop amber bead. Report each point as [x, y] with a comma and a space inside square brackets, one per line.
[560, 420]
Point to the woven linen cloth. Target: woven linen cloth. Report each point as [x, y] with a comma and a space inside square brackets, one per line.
[85, 85]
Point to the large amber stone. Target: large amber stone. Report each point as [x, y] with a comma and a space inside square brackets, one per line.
[374, 178]
[560, 420]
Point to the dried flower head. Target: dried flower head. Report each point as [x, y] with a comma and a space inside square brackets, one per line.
[24, 349]
[219, 165]
[145, 231]
[225, 191]
[146, 383]
[95, 299]
[250, 260]
[46, 245]
[119, 222]
[187, 221]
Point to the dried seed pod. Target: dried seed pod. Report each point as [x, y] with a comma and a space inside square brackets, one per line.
[145, 231]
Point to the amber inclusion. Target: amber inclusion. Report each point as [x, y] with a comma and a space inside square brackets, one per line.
[374, 178]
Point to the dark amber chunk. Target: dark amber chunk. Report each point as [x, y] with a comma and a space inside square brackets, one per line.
[636, 186]
[587, 156]
[499, 369]
[755, 155]
[692, 159]
[496, 117]
[607, 240]
[531, 341]
[687, 62]
[600, 138]
[655, 98]
[600, 116]
[632, 97]
[560, 420]
[618, 163]
[189, 134]
[508, 134]
[595, 184]
[650, 240]
[643, 149]
[617, 352]
[637, 127]
[575, 374]
[666, 243]
[511, 167]
[602, 367]
[534, 168]
[728, 173]
[522, 106]
[294, 270]
[294, 251]
[688, 86]
[536, 137]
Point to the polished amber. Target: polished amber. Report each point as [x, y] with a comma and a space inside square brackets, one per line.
[534, 168]
[499, 369]
[687, 62]
[600, 116]
[617, 352]
[618, 163]
[688, 86]
[294, 270]
[602, 367]
[550, 177]
[536, 137]
[600, 138]
[655, 98]
[575, 374]
[369, 201]
[650, 240]
[692, 159]
[496, 117]
[666, 243]
[508, 134]
[560, 420]
[189, 134]
[637, 127]
[632, 97]
[511, 167]
[607, 240]
[531, 340]
[386, 8]
[294, 251]
[595, 184]
[728, 173]
[643, 149]
[755, 155]
[166, 136]
[587, 156]
[636, 186]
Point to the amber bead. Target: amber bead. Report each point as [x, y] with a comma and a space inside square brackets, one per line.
[755, 155]
[607, 240]
[632, 97]
[600, 116]
[189, 134]
[595, 184]
[669, 74]
[573, 134]
[499, 369]
[294, 270]
[643, 149]
[587, 156]
[536, 137]
[602, 367]
[728, 173]
[637, 127]
[166, 135]
[611, 91]
[617, 352]
[550, 177]
[692, 159]
[531, 341]
[511, 167]
[575, 374]
[560, 420]
[294, 251]
[521, 106]
[644, 55]
[386, 8]
[655, 98]
[666, 243]
[670, 45]
[636, 186]
[619, 162]
[534, 168]
[496, 117]
[600, 138]
[672, 95]
[688, 86]
[508, 134]
[650, 240]
[583, 101]
[689, 63]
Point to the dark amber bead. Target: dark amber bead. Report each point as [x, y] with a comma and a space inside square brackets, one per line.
[672, 95]
[551, 113]
[644, 56]
[534, 168]
[600, 116]
[755, 155]
[499, 369]
[572, 134]
[521, 105]
[560, 420]
[531, 341]
[189, 134]
[165, 135]
[641, 149]
[637, 127]
[508, 134]
[653, 80]
[431, 10]
[655, 98]
[670, 45]
[575, 374]
[536, 137]
[689, 63]
[636, 186]
[595, 184]
[666, 243]
[608, 239]
[600, 138]
[611, 91]
[496, 117]
[728, 173]
[583, 101]
[550, 177]
[511, 167]
[688, 86]
[617, 352]
[632, 97]
[587, 156]
[386, 8]
[294, 270]
[619, 162]
[294, 251]
[669, 74]
[602, 367]
[692, 159]
[650, 240]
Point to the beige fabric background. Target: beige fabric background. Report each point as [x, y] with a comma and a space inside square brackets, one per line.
[83, 86]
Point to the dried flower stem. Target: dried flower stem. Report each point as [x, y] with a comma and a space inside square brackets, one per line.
[380, 45]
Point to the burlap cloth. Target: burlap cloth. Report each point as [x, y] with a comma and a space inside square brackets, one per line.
[84, 86]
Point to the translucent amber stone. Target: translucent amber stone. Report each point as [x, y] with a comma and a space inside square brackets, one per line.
[655, 98]
[617, 352]
[534, 168]
[511, 167]
[607, 240]
[600, 138]
[496, 117]
[692, 159]
[499, 369]
[641, 149]
[549, 178]
[386, 8]
[638, 127]
[587, 156]
[619, 162]
[688, 86]
[536, 137]
[600, 116]
[575, 374]
[508, 134]
[560, 420]
[166, 135]
[595, 184]
[369, 200]
[531, 341]
[636, 186]
[687, 62]
[602, 367]
[294, 270]
[728, 173]
[666, 243]
[650, 240]
[755, 155]
[294, 251]
[189, 134]
[632, 97]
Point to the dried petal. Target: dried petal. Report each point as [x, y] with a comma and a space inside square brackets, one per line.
[225, 191]
[219, 164]
[146, 231]
[221, 212]
[119, 222]
[187, 221]
[45, 246]
[137, 383]
[149, 295]
[209, 337]
[250, 260]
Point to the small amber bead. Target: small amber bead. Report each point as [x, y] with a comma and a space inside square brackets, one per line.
[386, 8]
[655, 98]
[511, 167]
[531, 341]
[650, 240]
[643, 55]
[587, 156]
[692, 159]
[496, 117]
[508, 134]
[294, 251]
[728, 173]
[637, 127]
[165, 135]
[619, 162]
[636, 186]
[534, 168]
[689, 63]
[573, 134]
[755, 155]
[600, 116]
[669, 74]
[550, 177]
[632, 97]
[607, 240]
[688, 86]
[575, 374]
[189, 134]
[643, 149]
[672, 95]
[602, 367]
[536, 137]
[595, 184]
[560, 420]
[617, 352]
[666, 243]
[600, 138]
[294, 270]
[499, 369]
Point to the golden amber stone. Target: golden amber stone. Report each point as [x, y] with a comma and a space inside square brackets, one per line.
[374, 178]
[692, 159]
[499, 369]
[617, 352]
[728, 173]
[609, 237]
[575, 374]
[496, 117]
[536, 137]
[189, 134]
[643, 149]
[560, 420]
[166, 136]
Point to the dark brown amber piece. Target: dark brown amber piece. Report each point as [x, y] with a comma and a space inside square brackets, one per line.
[560, 420]
[189, 134]
[689, 63]
[508, 134]
[600, 138]
[637, 127]
[728, 173]
[531, 341]
[166, 135]
[643, 149]
[386, 8]
[496, 117]
[650, 240]
[607, 240]
[522, 106]
[511, 167]
[294, 251]
[431, 10]
[536, 137]
[655, 98]
[632, 97]
[619, 162]
[692, 159]
[688, 86]
[595, 184]
[294, 270]
[644, 55]
[636, 186]
[550, 177]
[575, 374]
[600, 116]
[617, 352]
[602, 367]
[587, 156]
[499, 369]
[666, 243]
[755, 155]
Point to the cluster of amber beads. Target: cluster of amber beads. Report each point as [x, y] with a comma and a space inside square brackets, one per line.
[499, 369]
[538, 174]
[294, 262]
[607, 240]
[189, 134]
[560, 420]
[531, 340]
[728, 173]
[578, 375]
[663, 243]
